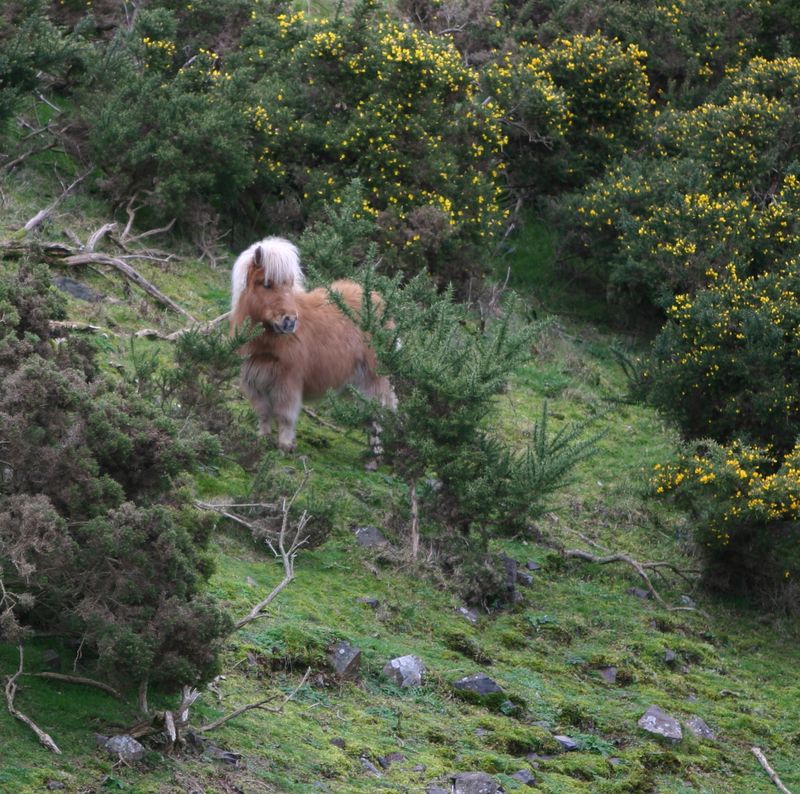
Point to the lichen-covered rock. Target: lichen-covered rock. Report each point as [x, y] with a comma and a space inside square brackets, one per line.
[405, 671]
[658, 722]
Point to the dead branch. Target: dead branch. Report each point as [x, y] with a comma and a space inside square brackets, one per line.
[204, 328]
[324, 422]
[641, 568]
[259, 704]
[76, 679]
[773, 775]
[287, 555]
[98, 235]
[68, 325]
[10, 691]
[40, 216]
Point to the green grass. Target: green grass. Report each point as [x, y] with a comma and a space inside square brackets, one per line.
[545, 652]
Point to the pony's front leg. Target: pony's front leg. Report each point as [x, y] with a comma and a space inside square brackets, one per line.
[287, 410]
[263, 408]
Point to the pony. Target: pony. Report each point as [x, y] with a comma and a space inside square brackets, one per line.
[308, 345]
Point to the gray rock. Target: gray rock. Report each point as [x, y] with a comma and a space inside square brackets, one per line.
[532, 565]
[54, 785]
[614, 761]
[658, 722]
[344, 659]
[370, 602]
[51, 660]
[338, 742]
[697, 727]
[470, 614]
[418, 768]
[481, 732]
[479, 685]
[405, 671]
[638, 592]
[435, 790]
[76, 289]
[686, 601]
[370, 537]
[567, 743]
[525, 776]
[525, 579]
[370, 767]
[124, 747]
[474, 783]
[390, 758]
[510, 564]
[670, 657]
[608, 674]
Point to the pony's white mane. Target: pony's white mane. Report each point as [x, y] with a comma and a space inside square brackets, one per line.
[281, 265]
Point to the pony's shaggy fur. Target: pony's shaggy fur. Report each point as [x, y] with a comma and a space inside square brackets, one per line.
[308, 346]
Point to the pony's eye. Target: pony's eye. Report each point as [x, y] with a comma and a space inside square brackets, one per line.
[268, 284]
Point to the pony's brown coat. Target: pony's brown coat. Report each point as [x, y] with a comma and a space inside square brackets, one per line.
[324, 351]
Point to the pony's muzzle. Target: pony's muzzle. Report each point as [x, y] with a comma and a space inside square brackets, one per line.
[287, 325]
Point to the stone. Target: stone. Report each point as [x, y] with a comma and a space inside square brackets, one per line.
[670, 657]
[344, 659]
[658, 722]
[124, 747]
[510, 564]
[687, 601]
[535, 758]
[479, 685]
[567, 743]
[390, 758]
[338, 742]
[608, 674]
[370, 767]
[370, 537]
[370, 602]
[532, 565]
[638, 592]
[418, 768]
[525, 579]
[435, 790]
[76, 289]
[54, 785]
[51, 660]
[405, 671]
[474, 783]
[525, 776]
[470, 614]
[698, 728]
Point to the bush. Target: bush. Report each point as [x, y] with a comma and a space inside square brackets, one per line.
[446, 371]
[726, 364]
[745, 503]
[97, 539]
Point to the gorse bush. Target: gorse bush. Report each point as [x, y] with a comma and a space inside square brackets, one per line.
[447, 371]
[98, 539]
[745, 504]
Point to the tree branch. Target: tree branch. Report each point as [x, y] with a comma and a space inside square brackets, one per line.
[76, 679]
[773, 775]
[40, 216]
[10, 691]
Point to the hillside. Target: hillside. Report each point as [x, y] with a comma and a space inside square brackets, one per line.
[722, 662]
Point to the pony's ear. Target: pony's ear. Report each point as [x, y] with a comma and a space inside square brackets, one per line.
[258, 257]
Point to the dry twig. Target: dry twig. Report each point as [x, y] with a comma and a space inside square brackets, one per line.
[42, 215]
[10, 691]
[76, 679]
[773, 775]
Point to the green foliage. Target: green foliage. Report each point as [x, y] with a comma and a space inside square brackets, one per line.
[446, 372]
[98, 542]
[745, 502]
[726, 364]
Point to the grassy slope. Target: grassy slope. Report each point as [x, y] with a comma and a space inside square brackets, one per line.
[574, 619]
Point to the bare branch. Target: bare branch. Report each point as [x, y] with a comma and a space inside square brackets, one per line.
[40, 216]
[773, 775]
[10, 691]
[324, 422]
[98, 235]
[76, 679]
[259, 704]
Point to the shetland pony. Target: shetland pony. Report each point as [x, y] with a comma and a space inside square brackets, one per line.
[308, 345]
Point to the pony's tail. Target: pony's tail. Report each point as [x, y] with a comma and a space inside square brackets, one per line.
[280, 260]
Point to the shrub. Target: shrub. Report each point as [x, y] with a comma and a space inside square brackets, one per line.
[97, 539]
[446, 371]
[726, 364]
[745, 503]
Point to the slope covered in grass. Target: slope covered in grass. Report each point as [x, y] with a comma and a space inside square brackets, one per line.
[725, 664]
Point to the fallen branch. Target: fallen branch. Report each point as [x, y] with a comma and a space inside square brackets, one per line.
[76, 679]
[40, 216]
[259, 704]
[204, 328]
[641, 568]
[324, 422]
[773, 775]
[10, 691]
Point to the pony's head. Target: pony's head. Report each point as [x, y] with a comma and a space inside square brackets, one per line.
[265, 280]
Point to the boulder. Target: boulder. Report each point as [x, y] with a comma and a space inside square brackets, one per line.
[567, 743]
[474, 783]
[76, 289]
[124, 747]
[370, 537]
[525, 776]
[658, 722]
[405, 671]
[479, 687]
[470, 614]
[532, 565]
[608, 674]
[698, 728]
[344, 659]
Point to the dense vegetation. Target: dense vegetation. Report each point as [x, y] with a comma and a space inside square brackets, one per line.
[421, 146]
